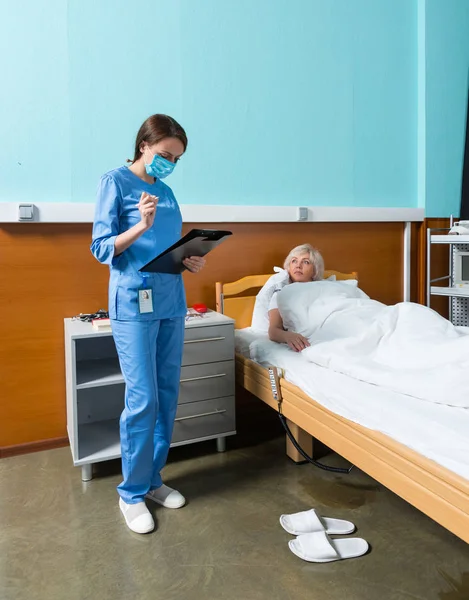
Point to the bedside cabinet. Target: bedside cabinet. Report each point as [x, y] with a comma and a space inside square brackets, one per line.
[95, 389]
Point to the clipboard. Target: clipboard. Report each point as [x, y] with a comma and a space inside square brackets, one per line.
[198, 242]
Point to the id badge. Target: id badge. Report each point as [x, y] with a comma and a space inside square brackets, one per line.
[145, 301]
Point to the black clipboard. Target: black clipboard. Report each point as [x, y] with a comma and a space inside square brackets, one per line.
[198, 242]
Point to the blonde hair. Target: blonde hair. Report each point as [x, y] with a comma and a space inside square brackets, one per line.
[314, 256]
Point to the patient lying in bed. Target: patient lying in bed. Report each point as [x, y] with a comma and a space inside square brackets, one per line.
[407, 348]
[303, 264]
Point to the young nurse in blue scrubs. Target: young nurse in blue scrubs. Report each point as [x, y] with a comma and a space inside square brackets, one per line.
[137, 217]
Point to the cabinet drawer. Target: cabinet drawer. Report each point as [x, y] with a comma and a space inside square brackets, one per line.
[203, 382]
[196, 420]
[208, 344]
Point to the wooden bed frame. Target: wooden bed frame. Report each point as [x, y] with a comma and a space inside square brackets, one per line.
[433, 489]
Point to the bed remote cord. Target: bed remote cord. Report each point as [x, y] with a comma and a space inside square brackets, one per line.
[303, 453]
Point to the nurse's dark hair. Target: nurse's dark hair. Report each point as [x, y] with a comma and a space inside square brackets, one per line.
[155, 129]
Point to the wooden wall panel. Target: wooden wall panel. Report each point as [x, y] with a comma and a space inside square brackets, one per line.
[372, 249]
[439, 267]
[48, 273]
[415, 264]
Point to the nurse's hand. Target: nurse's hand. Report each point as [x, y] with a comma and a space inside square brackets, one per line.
[194, 263]
[147, 208]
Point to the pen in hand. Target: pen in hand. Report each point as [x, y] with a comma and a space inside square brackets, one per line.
[147, 208]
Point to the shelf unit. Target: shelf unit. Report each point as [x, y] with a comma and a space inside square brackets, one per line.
[96, 389]
[458, 296]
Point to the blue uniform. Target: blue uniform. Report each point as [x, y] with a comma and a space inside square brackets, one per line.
[149, 344]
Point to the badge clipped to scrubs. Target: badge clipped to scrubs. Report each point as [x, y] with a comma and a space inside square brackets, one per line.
[145, 299]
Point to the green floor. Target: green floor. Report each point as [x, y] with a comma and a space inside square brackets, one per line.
[63, 539]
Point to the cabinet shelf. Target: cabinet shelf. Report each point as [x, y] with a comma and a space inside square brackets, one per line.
[99, 372]
[452, 292]
[449, 239]
[99, 441]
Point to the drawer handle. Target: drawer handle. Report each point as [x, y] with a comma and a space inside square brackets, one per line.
[214, 412]
[203, 377]
[215, 339]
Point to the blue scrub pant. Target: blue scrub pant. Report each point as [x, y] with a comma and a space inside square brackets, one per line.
[150, 355]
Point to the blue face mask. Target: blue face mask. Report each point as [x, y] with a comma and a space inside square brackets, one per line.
[159, 167]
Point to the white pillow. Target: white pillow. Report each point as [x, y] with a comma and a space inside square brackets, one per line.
[298, 303]
[260, 314]
[353, 282]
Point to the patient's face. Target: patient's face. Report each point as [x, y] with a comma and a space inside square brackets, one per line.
[301, 268]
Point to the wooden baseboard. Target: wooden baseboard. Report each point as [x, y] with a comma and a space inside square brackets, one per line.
[18, 449]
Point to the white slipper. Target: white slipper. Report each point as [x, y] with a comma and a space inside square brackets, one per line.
[167, 497]
[137, 516]
[309, 521]
[318, 547]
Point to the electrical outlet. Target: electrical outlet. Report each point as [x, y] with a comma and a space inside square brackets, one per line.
[302, 213]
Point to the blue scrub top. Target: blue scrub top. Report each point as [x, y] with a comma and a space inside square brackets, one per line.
[118, 193]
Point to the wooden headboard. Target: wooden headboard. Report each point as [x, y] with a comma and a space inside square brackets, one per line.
[240, 308]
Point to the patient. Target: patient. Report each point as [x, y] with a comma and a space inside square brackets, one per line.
[303, 264]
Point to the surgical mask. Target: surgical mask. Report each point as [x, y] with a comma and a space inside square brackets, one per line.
[159, 167]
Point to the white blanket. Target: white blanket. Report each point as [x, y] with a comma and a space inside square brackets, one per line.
[407, 348]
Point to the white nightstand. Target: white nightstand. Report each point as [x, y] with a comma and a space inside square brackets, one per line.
[95, 389]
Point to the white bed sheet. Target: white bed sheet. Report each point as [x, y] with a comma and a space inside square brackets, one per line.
[437, 431]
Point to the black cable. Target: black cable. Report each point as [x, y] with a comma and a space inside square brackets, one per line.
[88, 317]
[310, 459]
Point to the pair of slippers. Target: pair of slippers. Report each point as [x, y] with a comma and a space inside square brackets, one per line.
[313, 543]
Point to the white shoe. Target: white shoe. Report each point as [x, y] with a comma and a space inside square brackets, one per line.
[167, 497]
[137, 516]
[319, 547]
[309, 521]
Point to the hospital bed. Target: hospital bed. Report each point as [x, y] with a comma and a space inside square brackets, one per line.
[409, 458]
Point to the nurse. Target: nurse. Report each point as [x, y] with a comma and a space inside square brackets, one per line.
[137, 217]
